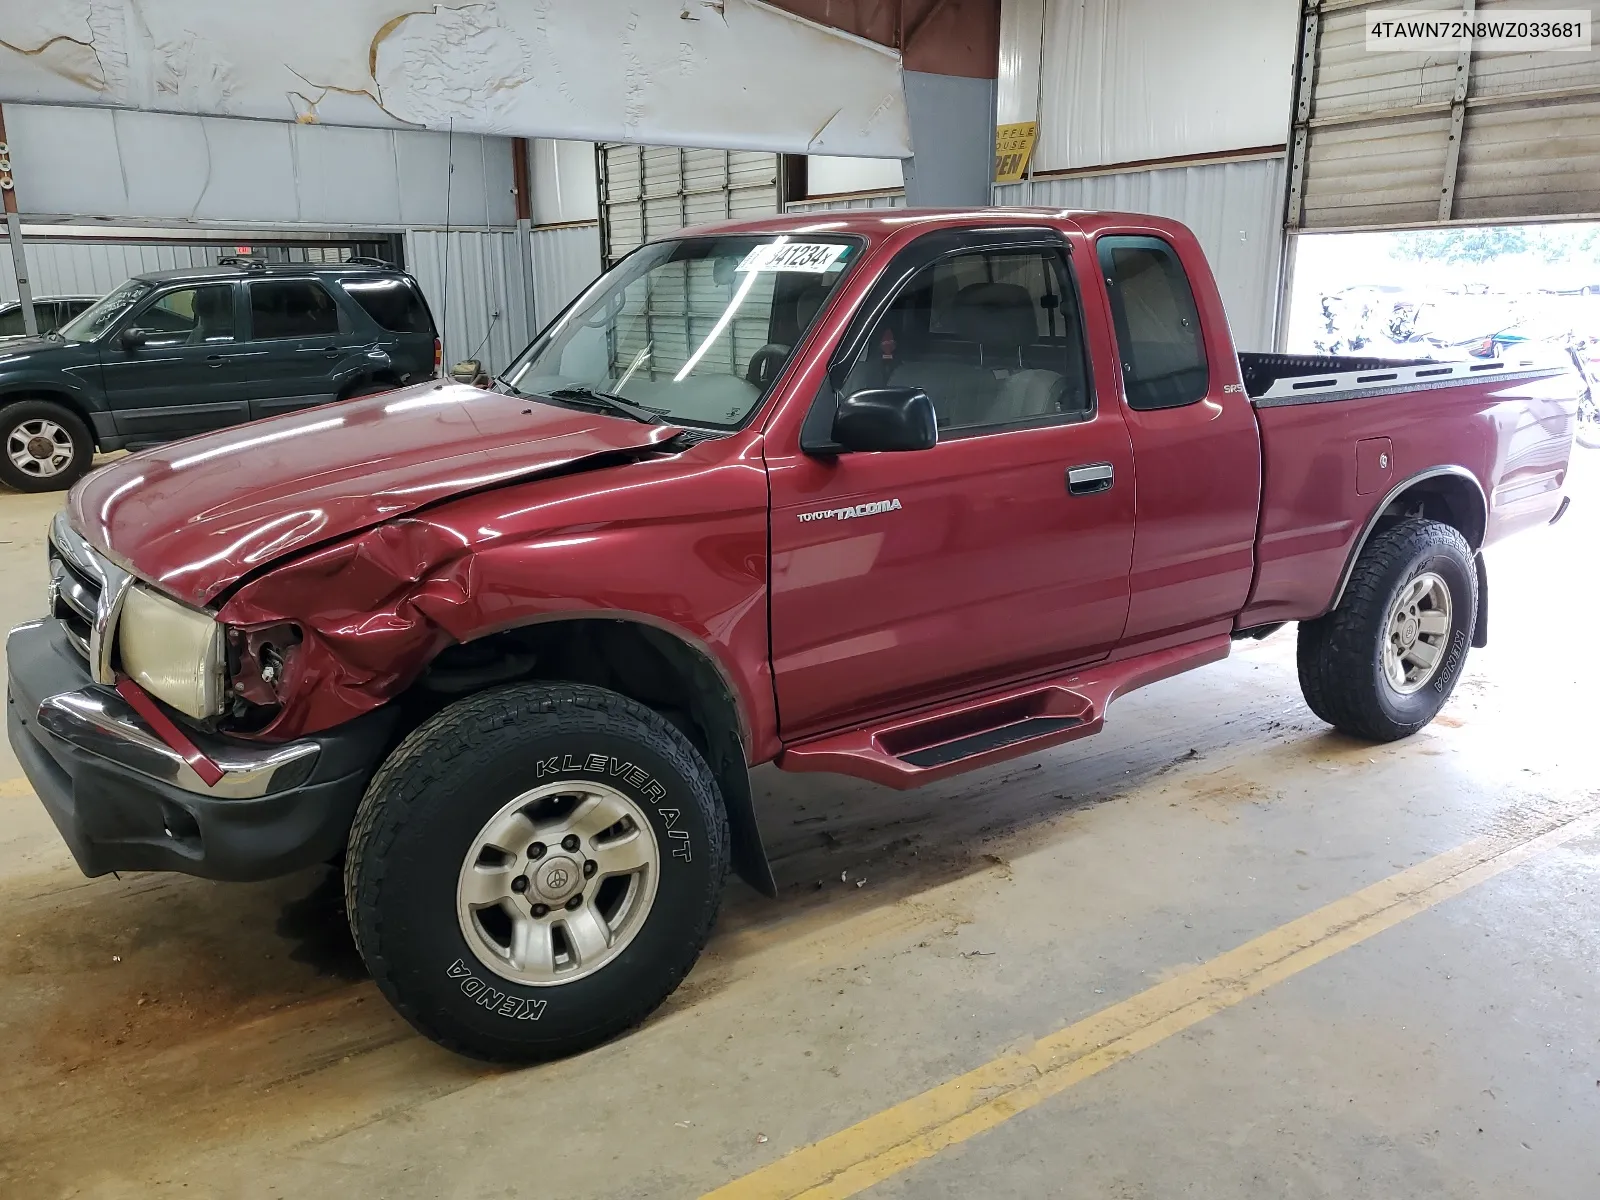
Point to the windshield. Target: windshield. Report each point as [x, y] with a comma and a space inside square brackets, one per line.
[99, 316]
[696, 329]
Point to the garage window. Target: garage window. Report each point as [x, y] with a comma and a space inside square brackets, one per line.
[1159, 343]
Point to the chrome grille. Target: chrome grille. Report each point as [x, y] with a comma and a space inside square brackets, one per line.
[86, 593]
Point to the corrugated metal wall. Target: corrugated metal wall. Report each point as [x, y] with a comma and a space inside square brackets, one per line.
[1234, 209]
[566, 259]
[1374, 131]
[1124, 81]
[486, 310]
[91, 268]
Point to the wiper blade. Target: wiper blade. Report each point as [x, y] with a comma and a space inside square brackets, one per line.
[650, 416]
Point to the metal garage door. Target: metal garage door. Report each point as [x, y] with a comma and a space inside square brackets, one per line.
[1414, 138]
[648, 191]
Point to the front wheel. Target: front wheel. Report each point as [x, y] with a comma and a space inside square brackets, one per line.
[535, 869]
[44, 447]
[1382, 664]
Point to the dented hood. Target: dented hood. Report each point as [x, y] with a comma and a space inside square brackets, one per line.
[197, 515]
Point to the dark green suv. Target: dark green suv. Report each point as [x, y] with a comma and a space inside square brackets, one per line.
[176, 353]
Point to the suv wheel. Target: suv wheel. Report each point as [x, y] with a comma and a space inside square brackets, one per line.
[44, 447]
[1382, 664]
[535, 869]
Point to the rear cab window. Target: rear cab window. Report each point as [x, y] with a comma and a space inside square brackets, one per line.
[1160, 347]
[394, 304]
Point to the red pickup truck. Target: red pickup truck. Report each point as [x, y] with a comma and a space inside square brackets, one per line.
[891, 494]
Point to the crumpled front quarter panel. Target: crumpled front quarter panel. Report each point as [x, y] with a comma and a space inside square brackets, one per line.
[679, 543]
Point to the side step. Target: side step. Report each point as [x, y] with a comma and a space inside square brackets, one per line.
[979, 730]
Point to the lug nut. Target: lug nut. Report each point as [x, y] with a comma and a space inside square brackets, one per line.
[589, 868]
[536, 850]
[540, 910]
[570, 842]
[575, 902]
[519, 884]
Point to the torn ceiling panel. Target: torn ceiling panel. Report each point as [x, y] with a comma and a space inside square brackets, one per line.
[719, 73]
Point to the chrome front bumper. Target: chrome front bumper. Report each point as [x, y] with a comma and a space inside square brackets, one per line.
[126, 799]
[101, 723]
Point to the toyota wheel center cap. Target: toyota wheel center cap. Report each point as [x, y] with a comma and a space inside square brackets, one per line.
[557, 878]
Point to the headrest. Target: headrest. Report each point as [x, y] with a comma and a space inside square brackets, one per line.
[806, 305]
[994, 314]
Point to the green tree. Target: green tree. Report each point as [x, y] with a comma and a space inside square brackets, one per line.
[1479, 244]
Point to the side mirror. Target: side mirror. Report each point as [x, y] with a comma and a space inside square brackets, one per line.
[468, 370]
[891, 418]
[134, 339]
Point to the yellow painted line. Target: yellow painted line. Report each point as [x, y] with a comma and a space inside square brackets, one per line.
[18, 786]
[898, 1138]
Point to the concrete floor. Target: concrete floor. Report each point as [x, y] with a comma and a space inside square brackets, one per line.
[166, 1036]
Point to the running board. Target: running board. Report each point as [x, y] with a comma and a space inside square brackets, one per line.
[979, 730]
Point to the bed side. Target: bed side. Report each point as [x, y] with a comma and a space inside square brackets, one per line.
[1488, 455]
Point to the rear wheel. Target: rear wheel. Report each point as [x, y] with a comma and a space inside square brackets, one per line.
[44, 446]
[1382, 664]
[535, 869]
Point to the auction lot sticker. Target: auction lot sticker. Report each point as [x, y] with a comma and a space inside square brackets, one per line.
[813, 258]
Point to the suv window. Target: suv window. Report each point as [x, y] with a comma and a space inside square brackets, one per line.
[290, 308]
[11, 322]
[995, 337]
[1159, 342]
[393, 303]
[188, 317]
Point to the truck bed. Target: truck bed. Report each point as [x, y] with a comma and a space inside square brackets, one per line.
[1275, 379]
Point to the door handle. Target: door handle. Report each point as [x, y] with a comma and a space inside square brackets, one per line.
[1090, 478]
[213, 360]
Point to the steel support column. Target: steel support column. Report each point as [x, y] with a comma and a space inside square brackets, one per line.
[1458, 121]
[19, 254]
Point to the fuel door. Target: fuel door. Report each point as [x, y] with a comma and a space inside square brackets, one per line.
[1374, 465]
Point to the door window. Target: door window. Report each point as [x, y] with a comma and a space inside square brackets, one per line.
[194, 316]
[11, 322]
[1162, 354]
[291, 308]
[994, 337]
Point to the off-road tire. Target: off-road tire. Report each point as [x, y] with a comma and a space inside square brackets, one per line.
[13, 415]
[1340, 654]
[433, 795]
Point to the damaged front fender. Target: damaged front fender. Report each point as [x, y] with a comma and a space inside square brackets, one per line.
[376, 609]
[371, 612]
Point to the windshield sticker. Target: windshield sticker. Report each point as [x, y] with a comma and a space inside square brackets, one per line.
[813, 258]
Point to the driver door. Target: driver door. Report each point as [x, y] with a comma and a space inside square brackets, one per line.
[899, 579]
[172, 368]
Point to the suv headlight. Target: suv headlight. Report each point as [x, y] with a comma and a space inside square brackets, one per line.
[172, 651]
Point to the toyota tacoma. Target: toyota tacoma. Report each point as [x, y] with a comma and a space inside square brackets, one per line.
[893, 495]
